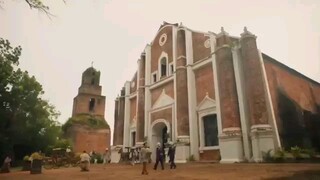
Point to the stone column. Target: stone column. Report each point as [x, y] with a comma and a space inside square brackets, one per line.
[261, 131]
[126, 126]
[182, 87]
[115, 156]
[182, 98]
[141, 100]
[230, 140]
[121, 113]
[115, 130]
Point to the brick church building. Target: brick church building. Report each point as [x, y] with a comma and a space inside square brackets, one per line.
[217, 96]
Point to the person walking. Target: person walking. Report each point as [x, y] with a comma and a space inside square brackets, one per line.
[144, 158]
[106, 157]
[172, 154]
[6, 165]
[159, 156]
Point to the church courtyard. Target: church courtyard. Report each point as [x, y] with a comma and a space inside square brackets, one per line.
[194, 171]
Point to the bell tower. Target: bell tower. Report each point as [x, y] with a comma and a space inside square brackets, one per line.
[89, 99]
[87, 128]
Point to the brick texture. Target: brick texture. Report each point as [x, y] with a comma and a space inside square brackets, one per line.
[204, 82]
[227, 89]
[156, 49]
[199, 50]
[163, 114]
[210, 155]
[155, 93]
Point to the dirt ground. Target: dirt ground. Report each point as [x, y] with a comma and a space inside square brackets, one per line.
[194, 171]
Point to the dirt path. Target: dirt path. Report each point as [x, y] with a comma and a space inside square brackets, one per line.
[194, 171]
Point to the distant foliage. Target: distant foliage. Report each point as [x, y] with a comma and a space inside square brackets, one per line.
[28, 123]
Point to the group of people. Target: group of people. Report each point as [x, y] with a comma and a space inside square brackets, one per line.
[160, 157]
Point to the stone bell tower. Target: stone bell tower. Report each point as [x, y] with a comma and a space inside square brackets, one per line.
[87, 128]
[89, 99]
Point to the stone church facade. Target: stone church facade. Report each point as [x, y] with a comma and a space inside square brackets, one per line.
[217, 96]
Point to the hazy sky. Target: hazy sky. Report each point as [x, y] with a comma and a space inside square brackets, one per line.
[113, 33]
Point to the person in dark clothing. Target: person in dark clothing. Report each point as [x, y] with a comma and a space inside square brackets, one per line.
[172, 154]
[159, 157]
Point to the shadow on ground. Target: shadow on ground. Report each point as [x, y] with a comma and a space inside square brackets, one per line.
[301, 175]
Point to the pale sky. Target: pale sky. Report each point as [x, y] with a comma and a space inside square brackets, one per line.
[113, 33]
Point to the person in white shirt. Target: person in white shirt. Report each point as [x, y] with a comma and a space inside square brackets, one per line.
[85, 161]
[106, 157]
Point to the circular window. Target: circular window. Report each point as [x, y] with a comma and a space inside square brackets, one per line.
[162, 39]
[207, 43]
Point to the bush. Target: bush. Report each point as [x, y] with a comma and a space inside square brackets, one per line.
[36, 155]
[296, 152]
[26, 158]
[267, 156]
[191, 158]
[279, 155]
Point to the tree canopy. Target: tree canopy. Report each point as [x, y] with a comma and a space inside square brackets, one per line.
[28, 122]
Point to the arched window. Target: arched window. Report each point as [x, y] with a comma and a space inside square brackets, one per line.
[163, 64]
[91, 104]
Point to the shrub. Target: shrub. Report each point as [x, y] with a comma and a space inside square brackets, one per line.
[296, 152]
[26, 158]
[267, 156]
[36, 155]
[279, 154]
[191, 158]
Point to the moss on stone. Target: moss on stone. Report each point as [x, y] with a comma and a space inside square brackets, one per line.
[91, 121]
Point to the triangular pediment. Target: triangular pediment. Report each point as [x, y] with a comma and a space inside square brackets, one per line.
[206, 103]
[163, 100]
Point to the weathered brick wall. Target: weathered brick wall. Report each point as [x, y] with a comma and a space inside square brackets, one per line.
[204, 82]
[227, 87]
[163, 114]
[155, 93]
[90, 139]
[82, 104]
[210, 155]
[89, 89]
[199, 49]
[301, 90]
[156, 49]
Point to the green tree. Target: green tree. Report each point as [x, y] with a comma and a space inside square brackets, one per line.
[27, 122]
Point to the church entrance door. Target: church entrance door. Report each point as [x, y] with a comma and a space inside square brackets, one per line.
[159, 134]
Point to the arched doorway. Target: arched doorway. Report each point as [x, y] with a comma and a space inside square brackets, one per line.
[161, 134]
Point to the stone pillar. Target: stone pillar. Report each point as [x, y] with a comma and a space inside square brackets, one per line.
[121, 112]
[115, 156]
[141, 100]
[182, 98]
[126, 128]
[115, 129]
[230, 141]
[261, 131]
